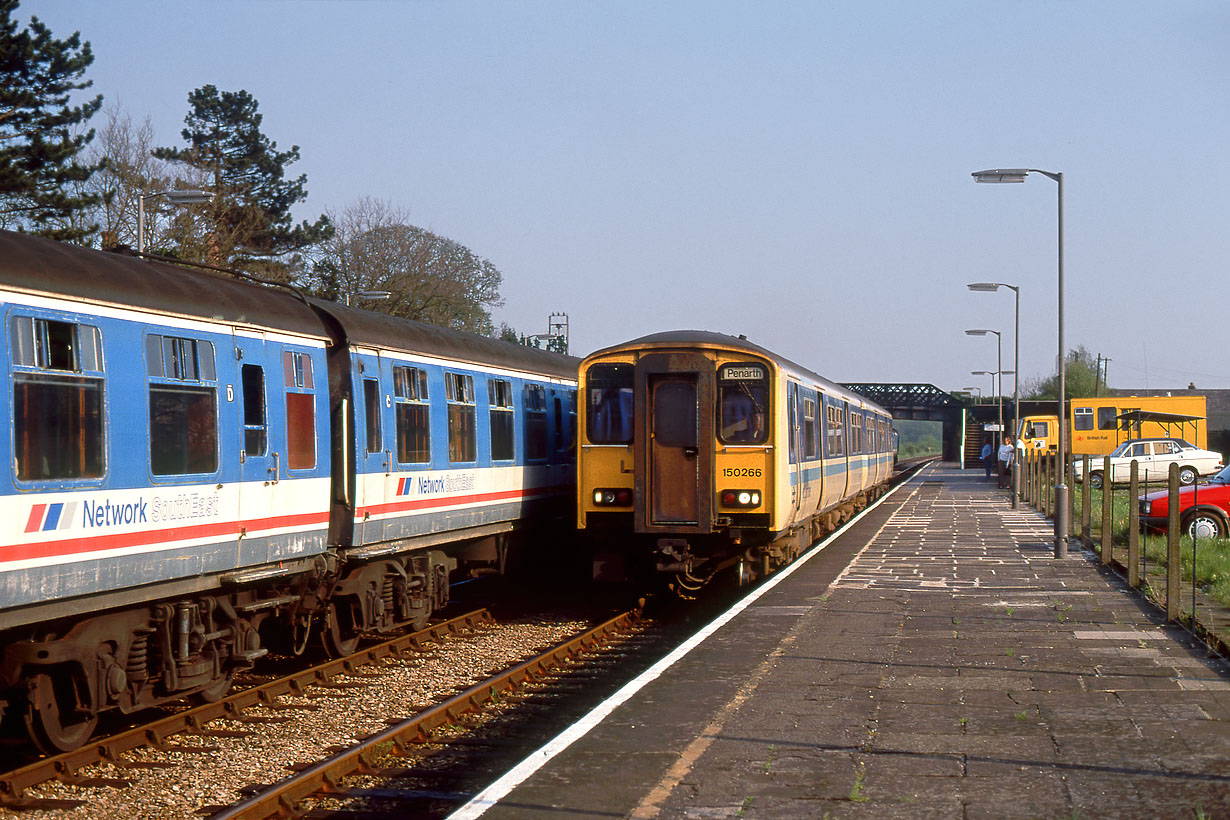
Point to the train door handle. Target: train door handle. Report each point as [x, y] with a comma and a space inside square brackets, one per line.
[276, 469]
[690, 452]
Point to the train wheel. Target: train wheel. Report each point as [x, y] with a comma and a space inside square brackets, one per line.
[418, 621]
[217, 690]
[745, 576]
[52, 716]
[338, 638]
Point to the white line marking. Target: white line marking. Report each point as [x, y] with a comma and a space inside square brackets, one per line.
[491, 795]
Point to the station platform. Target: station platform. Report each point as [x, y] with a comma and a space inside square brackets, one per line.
[933, 660]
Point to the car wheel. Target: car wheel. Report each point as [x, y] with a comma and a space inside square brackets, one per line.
[1188, 476]
[1095, 480]
[1204, 525]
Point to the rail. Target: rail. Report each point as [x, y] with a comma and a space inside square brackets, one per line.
[280, 798]
[193, 721]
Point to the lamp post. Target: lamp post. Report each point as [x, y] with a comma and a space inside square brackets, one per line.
[176, 197]
[1016, 379]
[1063, 523]
[999, 369]
[971, 390]
[990, 373]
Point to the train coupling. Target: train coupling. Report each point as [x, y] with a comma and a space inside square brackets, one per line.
[673, 555]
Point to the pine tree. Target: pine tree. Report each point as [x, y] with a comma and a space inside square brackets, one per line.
[38, 149]
[252, 196]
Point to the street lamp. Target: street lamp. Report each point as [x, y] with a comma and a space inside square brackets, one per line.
[1063, 523]
[971, 390]
[999, 369]
[375, 295]
[177, 197]
[1016, 379]
[990, 373]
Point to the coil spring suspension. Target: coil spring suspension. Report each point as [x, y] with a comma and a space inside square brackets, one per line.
[137, 665]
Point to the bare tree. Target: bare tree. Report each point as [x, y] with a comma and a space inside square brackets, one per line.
[130, 171]
[430, 278]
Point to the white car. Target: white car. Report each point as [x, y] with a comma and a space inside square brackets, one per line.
[1154, 455]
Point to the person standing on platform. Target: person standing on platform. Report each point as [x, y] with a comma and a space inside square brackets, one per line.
[1006, 453]
[988, 457]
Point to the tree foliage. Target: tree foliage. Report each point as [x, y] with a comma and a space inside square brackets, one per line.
[40, 135]
[1080, 378]
[250, 214]
[430, 278]
[130, 171]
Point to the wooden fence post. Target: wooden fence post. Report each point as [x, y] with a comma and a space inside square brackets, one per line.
[1173, 570]
[1134, 528]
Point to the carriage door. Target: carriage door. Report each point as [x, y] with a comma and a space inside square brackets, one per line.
[261, 493]
[373, 444]
[677, 417]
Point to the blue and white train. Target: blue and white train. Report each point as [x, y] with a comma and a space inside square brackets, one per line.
[198, 464]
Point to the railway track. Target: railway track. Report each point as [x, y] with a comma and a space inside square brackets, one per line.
[375, 771]
[177, 761]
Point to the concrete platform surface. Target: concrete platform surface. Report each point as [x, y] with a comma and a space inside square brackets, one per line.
[953, 669]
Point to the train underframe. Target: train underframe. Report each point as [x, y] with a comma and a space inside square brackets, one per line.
[685, 564]
[58, 676]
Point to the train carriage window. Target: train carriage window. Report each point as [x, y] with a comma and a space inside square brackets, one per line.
[835, 433]
[608, 418]
[743, 403]
[371, 410]
[500, 402]
[300, 410]
[810, 448]
[57, 399]
[183, 407]
[255, 422]
[462, 435]
[558, 404]
[1108, 418]
[1082, 418]
[536, 422]
[413, 415]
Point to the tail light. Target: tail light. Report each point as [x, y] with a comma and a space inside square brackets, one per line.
[740, 498]
[616, 497]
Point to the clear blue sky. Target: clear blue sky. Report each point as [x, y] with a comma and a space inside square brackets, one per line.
[796, 172]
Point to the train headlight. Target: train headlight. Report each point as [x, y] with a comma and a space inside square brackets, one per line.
[614, 497]
[740, 498]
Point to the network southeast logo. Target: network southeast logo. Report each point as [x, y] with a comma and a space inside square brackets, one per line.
[62, 515]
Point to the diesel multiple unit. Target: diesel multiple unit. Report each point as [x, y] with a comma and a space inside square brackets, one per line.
[700, 451]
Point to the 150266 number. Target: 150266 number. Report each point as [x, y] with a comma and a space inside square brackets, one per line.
[742, 472]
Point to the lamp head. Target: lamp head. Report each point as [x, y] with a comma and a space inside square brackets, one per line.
[1001, 175]
[188, 197]
[983, 286]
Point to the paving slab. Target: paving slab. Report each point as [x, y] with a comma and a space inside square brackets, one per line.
[934, 661]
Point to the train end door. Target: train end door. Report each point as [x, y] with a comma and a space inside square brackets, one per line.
[373, 444]
[674, 428]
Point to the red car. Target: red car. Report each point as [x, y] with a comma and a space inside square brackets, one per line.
[1204, 509]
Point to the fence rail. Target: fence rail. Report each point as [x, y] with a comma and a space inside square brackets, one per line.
[1176, 572]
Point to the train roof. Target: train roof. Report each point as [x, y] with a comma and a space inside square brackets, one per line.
[37, 265]
[674, 338]
[387, 332]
